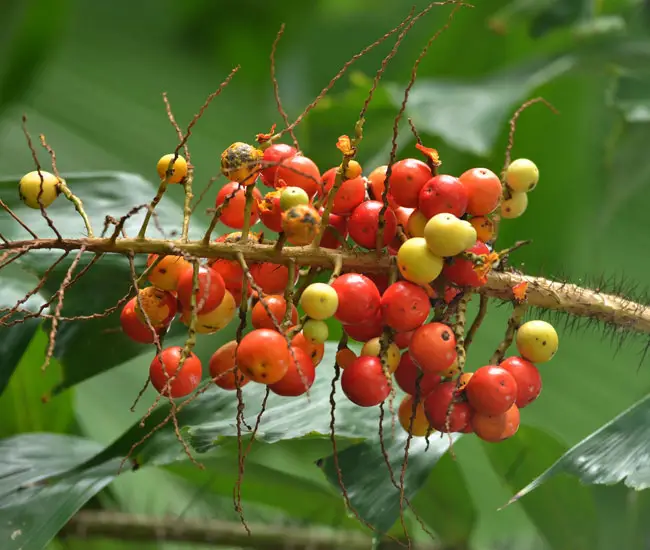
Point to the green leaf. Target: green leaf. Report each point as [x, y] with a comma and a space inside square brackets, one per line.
[440, 107]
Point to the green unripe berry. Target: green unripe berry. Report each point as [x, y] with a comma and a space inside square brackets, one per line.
[515, 206]
[293, 196]
[537, 341]
[319, 301]
[447, 235]
[522, 175]
[315, 331]
[34, 193]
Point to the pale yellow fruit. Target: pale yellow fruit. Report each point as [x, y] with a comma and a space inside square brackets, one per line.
[315, 331]
[416, 223]
[417, 263]
[35, 193]
[537, 341]
[515, 206]
[373, 348]
[319, 301]
[214, 320]
[522, 175]
[447, 235]
[179, 170]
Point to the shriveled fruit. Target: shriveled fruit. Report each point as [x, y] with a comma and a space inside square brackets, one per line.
[364, 382]
[407, 178]
[241, 162]
[416, 223]
[484, 228]
[529, 381]
[446, 235]
[413, 421]
[299, 171]
[164, 275]
[178, 168]
[433, 347]
[167, 365]
[263, 356]
[491, 390]
[495, 428]
[373, 348]
[134, 327]
[412, 380]
[223, 369]
[445, 412]
[301, 224]
[443, 194]
[273, 155]
[210, 292]
[319, 301]
[358, 298]
[522, 175]
[462, 272]
[232, 212]
[484, 190]
[405, 306]
[158, 306]
[315, 351]
[292, 196]
[417, 263]
[363, 225]
[537, 341]
[38, 190]
[514, 206]
[299, 376]
[315, 331]
[345, 357]
[276, 306]
[215, 320]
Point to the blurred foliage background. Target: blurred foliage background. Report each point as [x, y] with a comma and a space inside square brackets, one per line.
[90, 76]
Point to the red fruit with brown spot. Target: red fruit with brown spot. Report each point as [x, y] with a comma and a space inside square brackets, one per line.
[314, 351]
[484, 190]
[461, 272]
[407, 375]
[364, 382]
[405, 306]
[407, 178]
[211, 289]
[271, 278]
[433, 347]
[136, 329]
[270, 211]
[363, 224]
[529, 381]
[299, 377]
[445, 416]
[274, 154]
[443, 194]
[491, 390]
[359, 298]
[263, 356]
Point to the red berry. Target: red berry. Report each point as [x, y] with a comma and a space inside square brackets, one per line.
[483, 190]
[363, 332]
[314, 351]
[277, 305]
[270, 211]
[407, 374]
[350, 194]
[134, 327]
[274, 154]
[271, 278]
[223, 366]
[407, 178]
[232, 214]
[359, 299]
[529, 381]
[364, 382]
[299, 171]
[405, 306]
[443, 194]
[211, 289]
[461, 271]
[299, 377]
[403, 339]
[495, 428]
[336, 232]
[491, 390]
[363, 224]
[437, 406]
[263, 356]
[433, 347]
[380, 280]
[186, 379]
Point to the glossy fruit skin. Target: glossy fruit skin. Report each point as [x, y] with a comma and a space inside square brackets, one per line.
[271, 278]
[377, 184]
[433, 347]
[179, 170]
[301, 224]
[232, 214]
[515, 206]
[407, 179]
[491, 390]
[417, 263]
[315, 331]
[461, 271]
[443, 194]
[484, 228]
[363, 224]
[418, 422]
[358, 298]
[241, 162]
[437, 405]
[263, 356]
[215, 320]
[270, 211]
[210, 293]
[277, 305]
[293, 383]
[452, 370]
[353, 170]
[159, 306]
[407, 375]
[350, 194]
[134, 327]
[495, 428]
[416, 223]
[529, 381]
[537, 341]
[319, 301]
[299, 171]
[372, 348]
[522, 175]
[292, 196]
[405, 306]
[186, 380]
[403, 339]
[484, 190]
[167, 271]
[274, 154]
[363, 332]
[336, 232]
[29, 189]
[463, 380]
[380, 280]
[446, 235]
[222, 368]
[364, 382]
[345, 357]
[315, 351]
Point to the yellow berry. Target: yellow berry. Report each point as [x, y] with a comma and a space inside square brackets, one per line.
[179, 169]
[373, 348]
[522, 175]
[420, 426]
[537, 341]
[447, 235]
[215, 320]
[30, 187]
[319, 301]
[416, 223]
[315, 331]
[353, 171]
[515, 206]
[417, 263]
